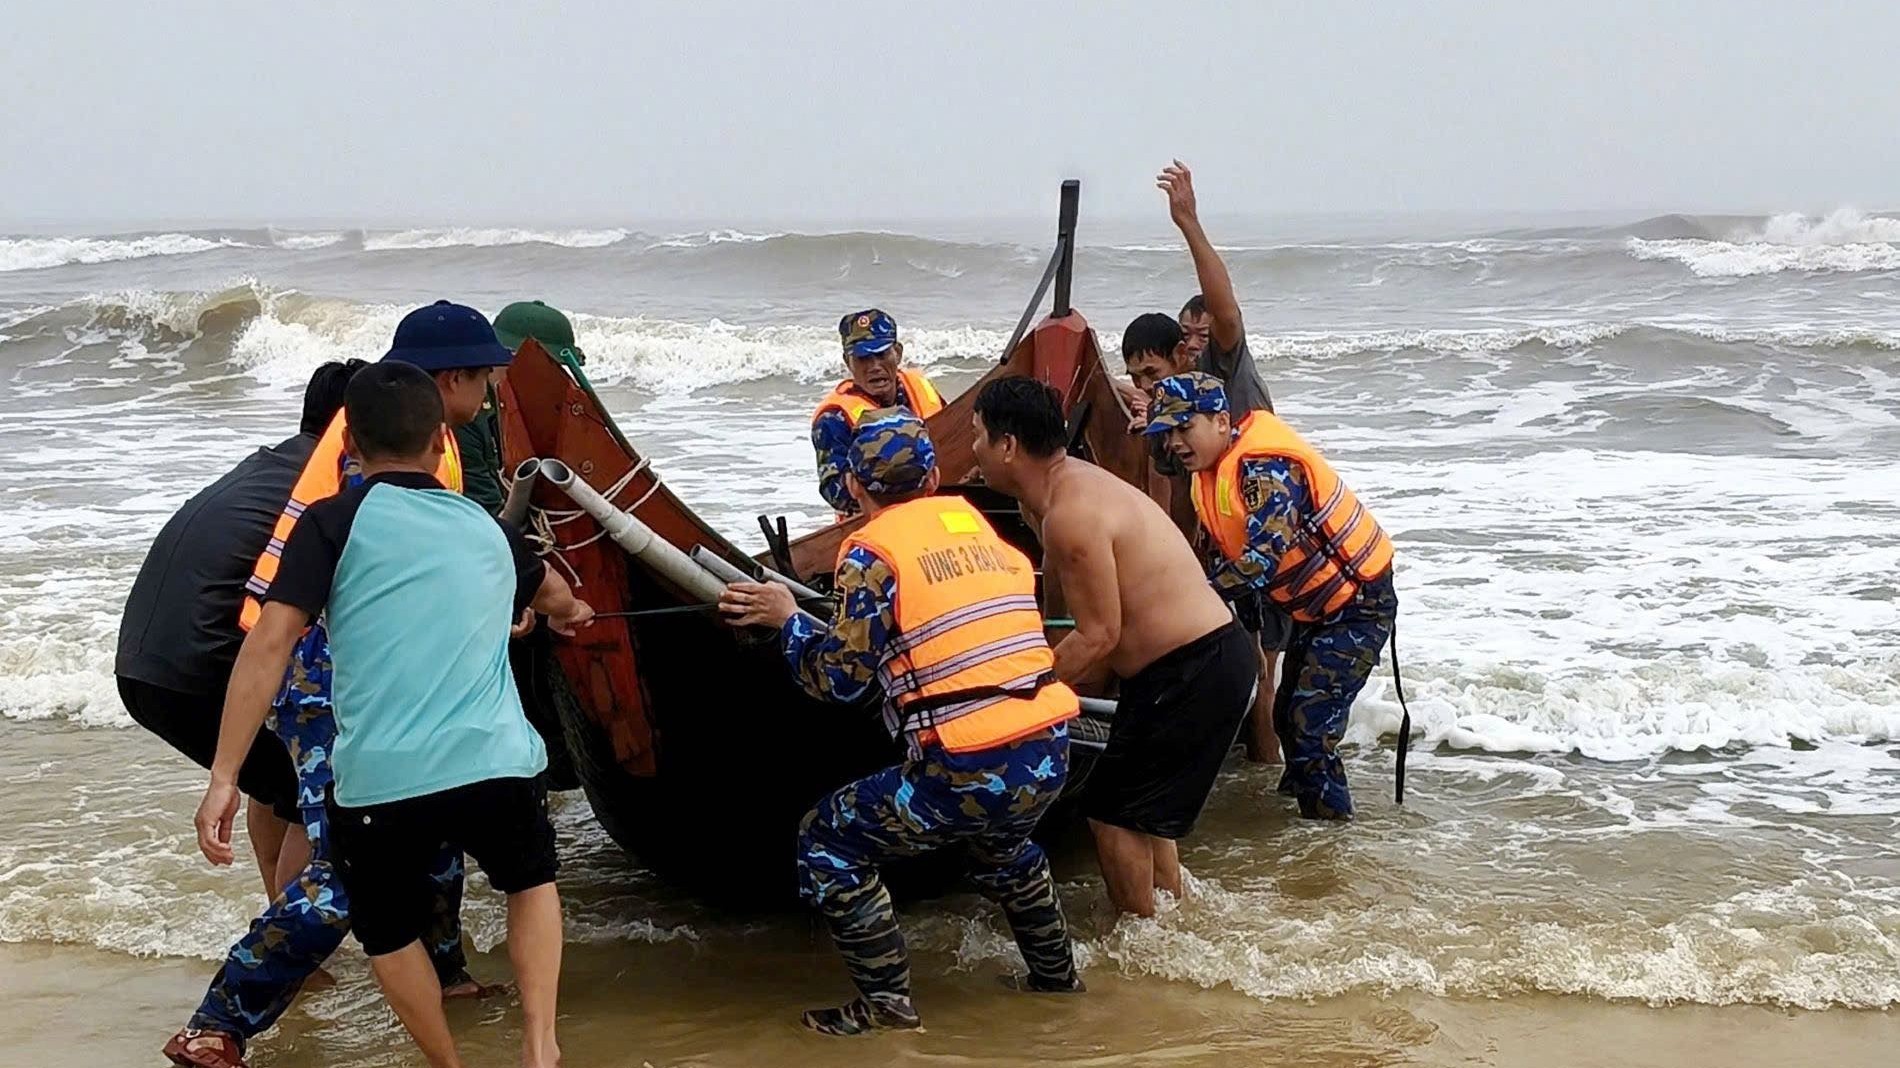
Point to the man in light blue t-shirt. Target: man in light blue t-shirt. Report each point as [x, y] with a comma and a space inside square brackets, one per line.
[419, 587]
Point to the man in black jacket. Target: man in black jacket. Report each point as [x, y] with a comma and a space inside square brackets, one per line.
[179, 635]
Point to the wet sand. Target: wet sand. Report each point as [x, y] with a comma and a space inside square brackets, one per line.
[634, 1005]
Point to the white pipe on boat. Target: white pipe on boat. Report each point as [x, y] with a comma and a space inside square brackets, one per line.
[514, 510]
[1100, 706]
[636, 537]
[799, 589]
[725, 569]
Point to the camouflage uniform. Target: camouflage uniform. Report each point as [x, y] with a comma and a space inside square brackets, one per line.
[307, 921]
[1326, 662]
[1326, 665]
[987, 801]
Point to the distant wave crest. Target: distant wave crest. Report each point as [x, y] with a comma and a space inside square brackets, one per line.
[1845, 240]
[40, 253]
[477, 237]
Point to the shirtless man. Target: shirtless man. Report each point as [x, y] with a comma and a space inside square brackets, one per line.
[1144, 612]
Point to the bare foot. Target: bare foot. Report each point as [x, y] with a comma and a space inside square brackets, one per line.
[467, 988]
[545, 1057]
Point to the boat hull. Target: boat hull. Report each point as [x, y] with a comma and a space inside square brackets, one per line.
[696, 749]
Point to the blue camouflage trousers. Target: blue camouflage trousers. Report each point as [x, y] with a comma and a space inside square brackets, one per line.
[986, 802]
[1327, 663]
[310, 917]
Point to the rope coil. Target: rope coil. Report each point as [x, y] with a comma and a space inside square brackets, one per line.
[542, 521]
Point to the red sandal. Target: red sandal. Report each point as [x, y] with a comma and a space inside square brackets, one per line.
[193, 1048]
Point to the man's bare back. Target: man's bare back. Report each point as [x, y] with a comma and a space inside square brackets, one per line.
[1102, 534]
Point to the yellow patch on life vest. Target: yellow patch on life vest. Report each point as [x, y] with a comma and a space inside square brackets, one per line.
[1224, 495]
[959, 522]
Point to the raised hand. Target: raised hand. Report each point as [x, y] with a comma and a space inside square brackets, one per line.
[1178, 182]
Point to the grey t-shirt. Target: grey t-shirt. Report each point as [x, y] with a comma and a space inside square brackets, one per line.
[1245, 391]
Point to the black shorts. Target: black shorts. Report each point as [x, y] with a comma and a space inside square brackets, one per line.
[1173, 725]
[188, 722]
[385, 852]
[1269, 624]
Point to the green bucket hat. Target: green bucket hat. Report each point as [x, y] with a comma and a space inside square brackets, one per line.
[526, 319]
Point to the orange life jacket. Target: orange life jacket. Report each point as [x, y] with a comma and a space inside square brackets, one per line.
[969, 659]
[322, 477]
[1338, 546]
[846, 397]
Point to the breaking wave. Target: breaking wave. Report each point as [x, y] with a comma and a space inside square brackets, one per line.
[713, 237]
[304, 242]
[280, 335]
[1845, 240]
[40, 253]
[473, 237]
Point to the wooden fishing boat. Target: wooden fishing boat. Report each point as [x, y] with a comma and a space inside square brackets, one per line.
[696, 749]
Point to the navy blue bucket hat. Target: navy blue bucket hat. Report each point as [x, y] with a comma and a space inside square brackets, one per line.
[447, 337]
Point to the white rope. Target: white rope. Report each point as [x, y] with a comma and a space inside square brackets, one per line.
[545, 520]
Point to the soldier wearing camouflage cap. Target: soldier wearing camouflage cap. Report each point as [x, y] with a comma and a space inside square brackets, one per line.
[969, 688]
[874, 358]
[1290, 529]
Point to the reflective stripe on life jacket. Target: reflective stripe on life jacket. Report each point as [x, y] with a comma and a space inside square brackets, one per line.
[969, 658]
[1338, 545]
[322, 477]
[921, 397]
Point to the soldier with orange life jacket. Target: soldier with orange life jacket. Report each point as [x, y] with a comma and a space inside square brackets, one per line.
[937, 608]
[1289, 527]
[874, 358]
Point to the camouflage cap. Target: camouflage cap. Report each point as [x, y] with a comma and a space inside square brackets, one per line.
[891, 451]
[1180, 398]
[867, 333]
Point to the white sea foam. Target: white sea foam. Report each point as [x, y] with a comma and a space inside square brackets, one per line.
[39, 253]
[303, 242]
[1845, 240]
[1844, 226]
[283, 345]
[291, 333]
[478, 237]
[661, 355]
[1796, 948]
[713, 237]
[1629, 661]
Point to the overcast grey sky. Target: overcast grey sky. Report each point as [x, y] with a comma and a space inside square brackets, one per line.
[402, 110]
